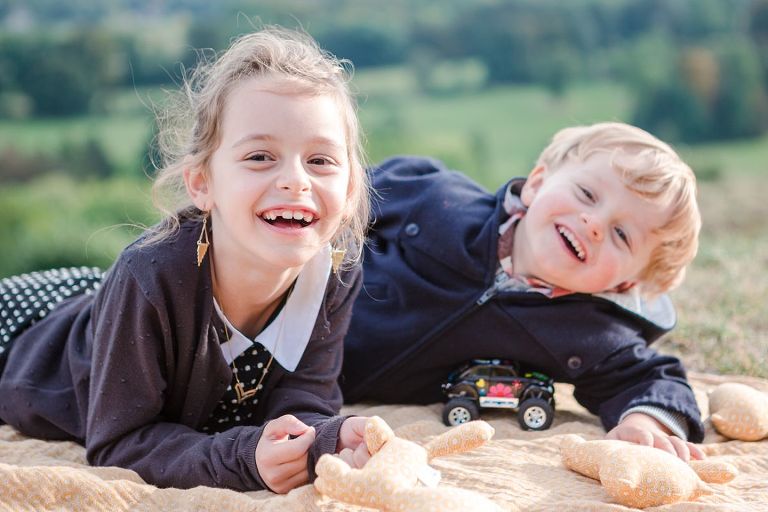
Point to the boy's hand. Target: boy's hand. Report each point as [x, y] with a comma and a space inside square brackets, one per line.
[351, 446]
[281, 454]
[646, 430]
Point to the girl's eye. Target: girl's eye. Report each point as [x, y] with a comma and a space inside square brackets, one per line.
[623, 235]
[589, 195]
[260, 157]
[320, 160]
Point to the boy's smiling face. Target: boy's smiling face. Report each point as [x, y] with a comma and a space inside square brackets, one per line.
[585, 230]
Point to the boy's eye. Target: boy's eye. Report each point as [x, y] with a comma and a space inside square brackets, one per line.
[623, 235]
[589, 195]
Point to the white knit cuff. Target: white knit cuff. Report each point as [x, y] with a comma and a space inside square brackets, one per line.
[674, 421]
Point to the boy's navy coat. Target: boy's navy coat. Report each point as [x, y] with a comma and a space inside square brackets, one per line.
[424, 308]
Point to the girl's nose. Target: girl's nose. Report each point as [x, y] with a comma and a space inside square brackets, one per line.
[293, 177]
[594, 227]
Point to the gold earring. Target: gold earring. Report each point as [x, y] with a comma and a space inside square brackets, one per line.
[202, 246]
[337, 256]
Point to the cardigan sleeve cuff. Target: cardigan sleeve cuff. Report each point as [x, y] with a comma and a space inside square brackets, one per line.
[326, 439]
[674, 421]
[250, 458]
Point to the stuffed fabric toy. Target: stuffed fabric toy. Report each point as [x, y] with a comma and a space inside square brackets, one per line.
[641, 476]
[390, 480]
[739, 412]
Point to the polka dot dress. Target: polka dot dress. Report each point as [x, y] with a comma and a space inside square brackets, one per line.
[250, 366]
[26, 298]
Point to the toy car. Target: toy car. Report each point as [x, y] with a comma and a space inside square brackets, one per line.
[493, 383]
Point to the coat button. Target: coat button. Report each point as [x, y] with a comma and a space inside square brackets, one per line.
[574, 362]
[412, 229]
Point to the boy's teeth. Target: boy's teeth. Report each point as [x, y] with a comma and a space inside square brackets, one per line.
[574, 243]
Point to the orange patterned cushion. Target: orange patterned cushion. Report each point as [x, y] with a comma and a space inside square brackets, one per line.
[739, 412]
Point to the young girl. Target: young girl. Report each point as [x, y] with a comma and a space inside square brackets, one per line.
[210, 352]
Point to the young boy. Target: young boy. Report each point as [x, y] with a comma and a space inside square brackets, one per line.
[564, 272]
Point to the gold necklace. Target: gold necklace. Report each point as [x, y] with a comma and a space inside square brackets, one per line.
[242, 393]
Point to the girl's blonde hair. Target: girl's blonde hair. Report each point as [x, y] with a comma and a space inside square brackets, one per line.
[654, 171]
[189, 129]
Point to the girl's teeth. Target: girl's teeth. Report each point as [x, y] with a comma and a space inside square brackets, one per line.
[289, 215]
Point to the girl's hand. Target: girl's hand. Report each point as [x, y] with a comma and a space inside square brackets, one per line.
[351, 446]
[645, 430]
[281, 455]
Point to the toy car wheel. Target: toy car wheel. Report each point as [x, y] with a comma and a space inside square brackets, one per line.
[459, 411]
[535, 414]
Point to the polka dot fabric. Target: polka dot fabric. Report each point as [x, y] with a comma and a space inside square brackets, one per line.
[739, 411]
[390, 478]
[642, 476]
[250, 366]
[27, 298]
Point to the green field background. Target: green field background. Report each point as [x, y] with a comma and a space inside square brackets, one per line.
[491, 134]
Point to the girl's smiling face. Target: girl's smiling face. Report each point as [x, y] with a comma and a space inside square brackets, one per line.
[277, 184]
[585, 230]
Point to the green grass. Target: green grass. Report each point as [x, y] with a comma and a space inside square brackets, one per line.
[741, 156]
[722, 324]
[57, 221]
[122, 138]
[491, 134]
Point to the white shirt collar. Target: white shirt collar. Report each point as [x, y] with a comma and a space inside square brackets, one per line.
[659, 310]
[287, 336]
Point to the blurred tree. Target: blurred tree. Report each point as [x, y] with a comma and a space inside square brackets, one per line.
[700, 70]
[673, 114]
[17, 166]
[86, 160]
[758, 30]
[56, 87]
[365, 46]
[530, 42]
[715, 93]
[742, 104]
[60, 76]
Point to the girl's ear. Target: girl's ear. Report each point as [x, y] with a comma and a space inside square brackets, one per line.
[533, 184]
[196, 182]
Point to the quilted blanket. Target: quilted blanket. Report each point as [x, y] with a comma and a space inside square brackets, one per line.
[518, 470]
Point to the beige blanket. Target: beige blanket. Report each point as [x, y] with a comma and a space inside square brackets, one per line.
[518, 470]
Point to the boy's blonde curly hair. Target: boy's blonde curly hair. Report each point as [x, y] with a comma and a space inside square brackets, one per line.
[654, 171]
[190, 126]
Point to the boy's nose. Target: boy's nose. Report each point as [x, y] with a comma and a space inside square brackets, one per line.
[594, 227]
[293, 177]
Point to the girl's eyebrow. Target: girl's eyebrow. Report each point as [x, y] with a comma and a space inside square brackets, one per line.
[325, 141]
[251, 137]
